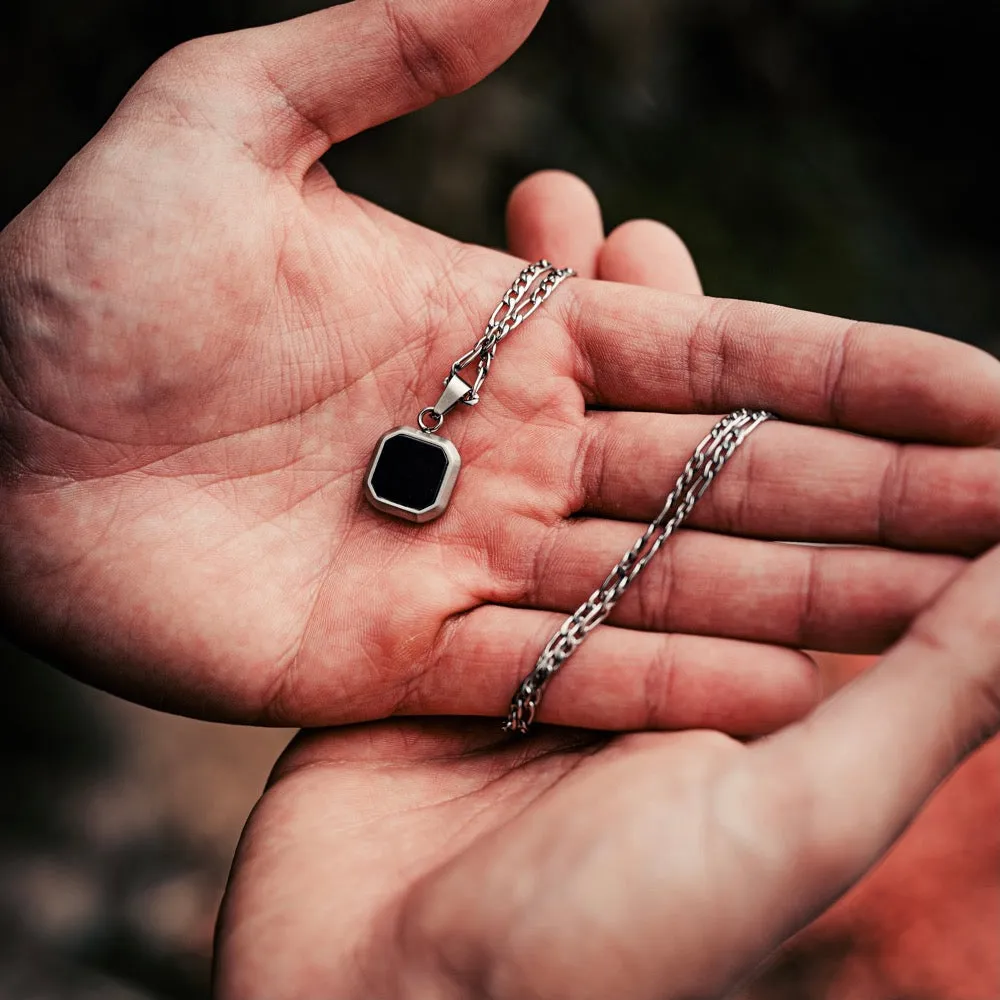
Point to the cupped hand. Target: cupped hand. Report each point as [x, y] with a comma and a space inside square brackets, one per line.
[432, 859]
[203, 338]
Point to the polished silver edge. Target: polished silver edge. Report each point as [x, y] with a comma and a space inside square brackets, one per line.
[447, 484]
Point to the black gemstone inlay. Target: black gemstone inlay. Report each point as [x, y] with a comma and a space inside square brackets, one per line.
[409, 472]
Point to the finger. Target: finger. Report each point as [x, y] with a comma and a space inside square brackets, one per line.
[798, 483]
[554, 215]
[644, 252]
[326, 76]
[618, 679]
[646, 350]
[849, 600]
[836, 790]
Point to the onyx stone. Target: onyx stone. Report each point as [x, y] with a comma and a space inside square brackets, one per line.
[412, 474]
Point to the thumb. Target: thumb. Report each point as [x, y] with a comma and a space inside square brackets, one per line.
[321, 78]
[832, 793]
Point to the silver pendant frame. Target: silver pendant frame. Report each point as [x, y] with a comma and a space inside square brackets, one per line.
[436, 509]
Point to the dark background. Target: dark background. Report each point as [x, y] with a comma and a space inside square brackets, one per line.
[833, 154]
[836, 155]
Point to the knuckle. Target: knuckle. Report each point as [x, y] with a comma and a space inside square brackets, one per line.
[435, 70]
[813, 567]
[719, 336]
[654, 590]
[891, 496]
[840, 368]
[590, 474]
[175, 89]
[189, 56]
[659, 684]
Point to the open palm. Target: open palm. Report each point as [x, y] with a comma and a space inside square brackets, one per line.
[432, 859]
[203, 338]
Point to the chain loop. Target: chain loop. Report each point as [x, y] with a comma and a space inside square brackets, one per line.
[709, 457]
[529, 290]
[429, 419]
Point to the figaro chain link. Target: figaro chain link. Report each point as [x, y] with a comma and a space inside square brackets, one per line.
[529, 290]
[706, 462]
[514, 308]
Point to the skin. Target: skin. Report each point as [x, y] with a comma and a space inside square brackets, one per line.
[438, 860]
[202, 339]
[432, 859]
[423, 859]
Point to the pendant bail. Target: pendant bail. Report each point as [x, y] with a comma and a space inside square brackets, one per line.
[456, 389]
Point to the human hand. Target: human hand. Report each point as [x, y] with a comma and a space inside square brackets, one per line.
[433, 859]
[203, 338]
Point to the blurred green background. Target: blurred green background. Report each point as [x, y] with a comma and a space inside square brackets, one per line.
[836, 155]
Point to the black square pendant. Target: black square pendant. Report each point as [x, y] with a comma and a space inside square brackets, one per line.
[412, 474]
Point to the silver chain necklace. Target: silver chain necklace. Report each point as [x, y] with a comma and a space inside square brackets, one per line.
[703, 466]
[413, 471]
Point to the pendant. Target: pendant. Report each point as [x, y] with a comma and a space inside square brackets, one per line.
[413, 471]
[412, 474]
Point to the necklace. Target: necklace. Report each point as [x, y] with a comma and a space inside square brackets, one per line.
[718, 446]
[413, 470]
